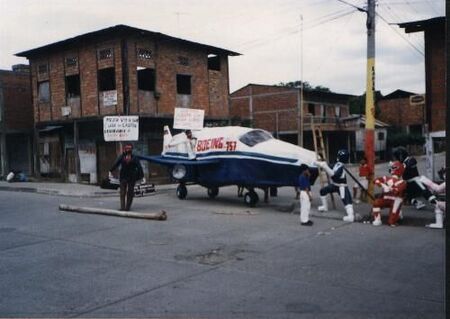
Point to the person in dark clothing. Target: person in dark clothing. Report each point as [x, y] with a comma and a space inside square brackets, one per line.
[130, 172]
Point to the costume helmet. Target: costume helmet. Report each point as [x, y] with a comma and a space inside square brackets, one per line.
[396, 168]
[343, 156]
[400, 153]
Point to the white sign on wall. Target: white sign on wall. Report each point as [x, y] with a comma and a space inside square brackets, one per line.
[188, 119]
[109, 98]
[121, 128]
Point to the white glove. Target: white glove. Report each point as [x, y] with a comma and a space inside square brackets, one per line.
[143, 181]
[320, 164]
[110, 175]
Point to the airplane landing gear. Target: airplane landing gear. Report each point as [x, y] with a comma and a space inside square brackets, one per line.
[251, 198]
[181, 191]
[213, 192]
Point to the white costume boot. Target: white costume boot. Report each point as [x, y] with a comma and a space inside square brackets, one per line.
[377, 220]
[324, 206]
[350, 215]
[439, 214]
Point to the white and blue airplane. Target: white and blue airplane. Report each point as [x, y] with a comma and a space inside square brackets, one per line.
[220, 156]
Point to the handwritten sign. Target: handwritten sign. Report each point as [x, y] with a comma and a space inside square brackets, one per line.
[109, 98]
[188, 119]
[121, 128]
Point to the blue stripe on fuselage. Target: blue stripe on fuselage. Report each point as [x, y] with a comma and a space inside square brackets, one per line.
[249, 172]
[236, 153]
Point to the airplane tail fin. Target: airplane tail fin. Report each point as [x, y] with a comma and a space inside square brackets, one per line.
[167, 138]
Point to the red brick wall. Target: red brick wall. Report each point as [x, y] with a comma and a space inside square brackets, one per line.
[435, 74]
[271, 100]
[18, 109]
[209, 89]
[398, 112]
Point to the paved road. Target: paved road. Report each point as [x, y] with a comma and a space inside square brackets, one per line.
[213, 259]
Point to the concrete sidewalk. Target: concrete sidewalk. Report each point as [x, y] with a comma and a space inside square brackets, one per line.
[68, 189]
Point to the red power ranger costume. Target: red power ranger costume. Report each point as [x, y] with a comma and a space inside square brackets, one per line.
[392, 197]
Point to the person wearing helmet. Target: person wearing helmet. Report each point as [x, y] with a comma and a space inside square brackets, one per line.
[438, 189]
[392, 195]
[415, 188]
[338, 185]
[130, 172]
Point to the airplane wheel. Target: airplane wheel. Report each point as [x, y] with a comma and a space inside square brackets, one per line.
[213, 192]
[181, 191]
[251, 198]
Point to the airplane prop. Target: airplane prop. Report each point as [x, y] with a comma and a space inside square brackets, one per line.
[220, 156]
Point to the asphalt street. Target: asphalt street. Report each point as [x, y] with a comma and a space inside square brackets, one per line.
[214, 259]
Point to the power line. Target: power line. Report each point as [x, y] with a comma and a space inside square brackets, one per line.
[396, 31]
[352, 5]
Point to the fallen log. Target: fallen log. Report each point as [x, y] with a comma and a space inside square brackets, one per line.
[112, 212]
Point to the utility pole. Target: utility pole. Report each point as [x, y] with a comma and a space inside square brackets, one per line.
[369, 149]
[300, 94]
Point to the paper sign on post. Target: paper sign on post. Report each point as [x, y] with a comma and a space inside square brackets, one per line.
[188, 119]
[121, 128]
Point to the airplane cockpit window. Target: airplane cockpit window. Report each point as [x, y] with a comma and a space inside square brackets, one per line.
[254, 137]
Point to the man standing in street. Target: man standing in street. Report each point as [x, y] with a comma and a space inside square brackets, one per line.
[130, 172]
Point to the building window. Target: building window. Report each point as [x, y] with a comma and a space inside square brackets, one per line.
[71, 62]
[183, 60]
[183, 84]
[146, 79]
[311, 109]
[381, 136]
[144, 54]
[105, 54]
[43, 69]
[213, 62]
[337, 111]
[44, 91]
[73, 86]
[106, 79]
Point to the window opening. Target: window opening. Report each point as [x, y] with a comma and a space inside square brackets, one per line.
[311, 109]
[42, 68]
[44, 91]
[71, 61]
[144, 54]
[73, 85]
[255, 137]
[183, 84]
[105, 54]
[146, 79]
[213, 62]
[106, 79]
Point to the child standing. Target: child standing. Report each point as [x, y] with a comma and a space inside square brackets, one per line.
[305, 197]
[364, 175]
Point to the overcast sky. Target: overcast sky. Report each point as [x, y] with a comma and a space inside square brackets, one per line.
[266, 32]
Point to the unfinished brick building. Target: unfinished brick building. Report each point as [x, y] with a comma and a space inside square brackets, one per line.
[276, 109]
[120, 70]
[16, 120]
[435, 69]
[399, 110]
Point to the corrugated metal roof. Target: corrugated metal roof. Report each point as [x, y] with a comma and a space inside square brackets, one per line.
[120, 30]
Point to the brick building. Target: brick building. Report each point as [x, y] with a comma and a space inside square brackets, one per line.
[435, 69]
[16, 120]
[119, 70]
[276, 109]
[399, 110]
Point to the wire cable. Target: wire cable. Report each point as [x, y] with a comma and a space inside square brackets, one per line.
[396, 31]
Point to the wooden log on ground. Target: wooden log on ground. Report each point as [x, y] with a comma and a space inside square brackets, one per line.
[112, 212]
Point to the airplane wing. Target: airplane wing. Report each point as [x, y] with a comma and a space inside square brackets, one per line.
[158, 159]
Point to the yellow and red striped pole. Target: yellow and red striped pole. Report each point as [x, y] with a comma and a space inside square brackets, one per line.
[369, 148]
